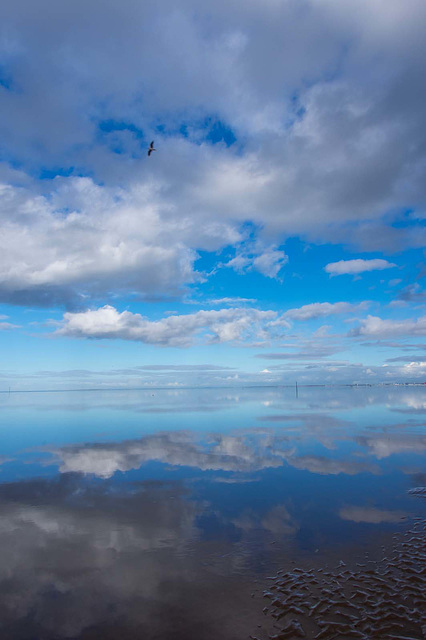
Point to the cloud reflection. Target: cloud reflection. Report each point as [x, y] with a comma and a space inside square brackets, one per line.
[64, 543]
[370, 515]
[277, 521]
[386, 444]
[221, 453]
[330, 466]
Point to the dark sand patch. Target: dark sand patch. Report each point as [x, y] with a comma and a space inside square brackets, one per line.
[383, 598]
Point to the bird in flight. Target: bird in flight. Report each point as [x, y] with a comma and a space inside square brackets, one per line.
[151, 148]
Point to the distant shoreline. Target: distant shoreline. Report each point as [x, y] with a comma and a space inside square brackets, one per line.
[251, 386]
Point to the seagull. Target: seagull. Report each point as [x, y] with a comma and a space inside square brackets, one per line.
[151, 148]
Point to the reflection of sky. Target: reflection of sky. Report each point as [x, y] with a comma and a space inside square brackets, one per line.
[101, 489]
[102, 558]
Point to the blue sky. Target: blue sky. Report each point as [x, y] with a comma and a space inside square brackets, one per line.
[278, 232]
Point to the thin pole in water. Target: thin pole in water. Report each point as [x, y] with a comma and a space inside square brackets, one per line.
[297, 390]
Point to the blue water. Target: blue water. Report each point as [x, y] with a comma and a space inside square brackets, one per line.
[159, 514]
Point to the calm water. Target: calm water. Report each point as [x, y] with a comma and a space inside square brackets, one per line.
[161, 514]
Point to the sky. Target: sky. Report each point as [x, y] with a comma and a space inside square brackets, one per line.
[277, 234]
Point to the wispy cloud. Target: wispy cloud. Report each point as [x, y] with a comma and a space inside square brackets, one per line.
[305, 351]
[230, 301]
[323, 309]
[408, 358]
[412, 293]
[5, 326]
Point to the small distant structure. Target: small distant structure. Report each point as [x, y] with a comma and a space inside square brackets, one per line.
[151, 148]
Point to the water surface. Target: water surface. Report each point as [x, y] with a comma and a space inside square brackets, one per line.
[162, 514]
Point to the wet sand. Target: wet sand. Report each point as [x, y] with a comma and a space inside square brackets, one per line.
[384, 598]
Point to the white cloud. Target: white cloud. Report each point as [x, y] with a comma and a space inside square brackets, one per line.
[359, 265]
[239, 263]
[329, 147]
[267, 261]
[225, 325]
[109, 240]
[321, 309]
[414, 369]
[374, 327]
[270, 262]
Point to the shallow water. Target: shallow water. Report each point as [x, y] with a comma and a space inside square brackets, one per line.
[171, 513]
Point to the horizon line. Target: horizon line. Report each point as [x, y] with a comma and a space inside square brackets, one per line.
[245, 386]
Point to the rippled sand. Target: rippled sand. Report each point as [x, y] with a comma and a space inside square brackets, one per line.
[383, 599]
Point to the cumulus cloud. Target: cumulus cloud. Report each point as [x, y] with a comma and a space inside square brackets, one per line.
[270, 262]
[321, 309]
[226, 325]
[109, 240]
[353, 267]
[267, 261]
[374, 327]
[415, 368]
[328, 146]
